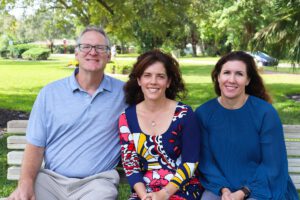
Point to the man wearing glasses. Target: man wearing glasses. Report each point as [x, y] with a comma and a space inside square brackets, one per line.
[73, 127]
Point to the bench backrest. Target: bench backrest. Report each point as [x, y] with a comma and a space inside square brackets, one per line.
[17, 144]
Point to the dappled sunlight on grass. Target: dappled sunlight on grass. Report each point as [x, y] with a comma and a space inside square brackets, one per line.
[198, 94]
[196, 79]
[281, 78]
[289, 110]
[196, 69]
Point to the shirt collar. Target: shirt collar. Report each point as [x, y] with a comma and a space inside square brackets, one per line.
[105, 84]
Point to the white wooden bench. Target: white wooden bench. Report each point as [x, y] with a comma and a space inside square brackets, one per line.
[17, 143]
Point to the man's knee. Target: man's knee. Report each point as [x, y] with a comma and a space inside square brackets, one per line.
[45, 188]
[100, 189]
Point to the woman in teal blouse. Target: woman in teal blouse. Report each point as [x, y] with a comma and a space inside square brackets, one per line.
[243, 154]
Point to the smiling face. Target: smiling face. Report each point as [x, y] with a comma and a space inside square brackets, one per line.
[92, 61]
[154, 82]
[233, 79]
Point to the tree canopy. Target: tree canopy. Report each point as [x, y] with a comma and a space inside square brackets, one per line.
[217, 26]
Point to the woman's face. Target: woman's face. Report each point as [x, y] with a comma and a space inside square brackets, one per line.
[154, 81]
[233, 79]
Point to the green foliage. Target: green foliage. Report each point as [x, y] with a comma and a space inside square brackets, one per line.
[36, 54]
[283, 31]
[116, 68]
[4, 42]
[17, 50]
[4, 53]
[124, 191]
[60, 49]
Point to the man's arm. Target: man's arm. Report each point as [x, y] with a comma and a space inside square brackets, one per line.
[31, 164]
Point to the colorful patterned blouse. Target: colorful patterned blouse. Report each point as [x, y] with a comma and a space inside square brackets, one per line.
[157, 160]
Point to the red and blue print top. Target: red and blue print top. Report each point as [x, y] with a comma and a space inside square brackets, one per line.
[157, 160]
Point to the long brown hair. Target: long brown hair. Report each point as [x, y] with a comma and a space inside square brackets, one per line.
[255, 87]
[133, 92]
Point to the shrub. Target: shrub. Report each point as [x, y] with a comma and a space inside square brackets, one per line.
[4, 53]
[17, 50]
[114, 68]
[125, 69]
[36, 54]
[61, 49]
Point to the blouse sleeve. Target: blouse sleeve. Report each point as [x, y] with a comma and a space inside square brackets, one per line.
[211, 176]
[273, 169]
[190, 150]
[130, 160]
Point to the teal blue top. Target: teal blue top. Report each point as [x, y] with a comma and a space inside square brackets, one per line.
[244, 147]
[79, 132]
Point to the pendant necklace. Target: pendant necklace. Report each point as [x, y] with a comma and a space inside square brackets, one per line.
[153, 123]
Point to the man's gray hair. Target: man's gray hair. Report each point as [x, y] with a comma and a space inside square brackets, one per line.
[96, 29]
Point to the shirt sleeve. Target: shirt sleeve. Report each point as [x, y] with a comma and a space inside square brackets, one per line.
[190, 150]
[130, 160]
[36, 133]
[273, 169]
[211, 176]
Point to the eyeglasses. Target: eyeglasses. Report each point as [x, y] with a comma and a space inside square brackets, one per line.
[86, 48]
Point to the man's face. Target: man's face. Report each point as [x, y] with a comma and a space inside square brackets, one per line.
[92, 59]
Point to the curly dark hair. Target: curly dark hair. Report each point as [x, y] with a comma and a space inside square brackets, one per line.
[133, 92]
[255, 87]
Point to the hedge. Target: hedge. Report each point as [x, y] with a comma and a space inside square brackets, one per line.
[17, 50]
[36, 54]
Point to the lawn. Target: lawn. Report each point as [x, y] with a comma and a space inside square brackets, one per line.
[20, 82]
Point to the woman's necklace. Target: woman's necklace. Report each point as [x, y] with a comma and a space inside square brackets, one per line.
[155, 119]
[153, 123]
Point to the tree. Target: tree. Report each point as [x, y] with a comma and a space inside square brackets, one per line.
[283, 30]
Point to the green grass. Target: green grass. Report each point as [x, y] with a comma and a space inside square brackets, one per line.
[20, 82]
[6, 186]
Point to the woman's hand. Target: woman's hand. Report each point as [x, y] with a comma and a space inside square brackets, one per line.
[160, 195]
[147, 196]
[238, 195]
[226, 194]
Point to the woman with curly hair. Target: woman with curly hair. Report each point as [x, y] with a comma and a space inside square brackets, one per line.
[159, 136]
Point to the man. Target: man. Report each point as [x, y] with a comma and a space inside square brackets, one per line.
[73, 127]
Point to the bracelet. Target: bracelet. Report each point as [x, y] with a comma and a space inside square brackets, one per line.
[168, 193]
[246, 191]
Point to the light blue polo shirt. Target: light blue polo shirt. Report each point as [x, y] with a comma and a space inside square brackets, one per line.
[79, 131]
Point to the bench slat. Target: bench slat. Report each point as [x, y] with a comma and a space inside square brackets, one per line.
[291, 128]
[17, 126]
[13, 173]
[16, 142]
[15, 157]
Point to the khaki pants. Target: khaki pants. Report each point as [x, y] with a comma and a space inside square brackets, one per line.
[50, 185]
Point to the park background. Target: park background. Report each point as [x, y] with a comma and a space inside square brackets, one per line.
[37, 46]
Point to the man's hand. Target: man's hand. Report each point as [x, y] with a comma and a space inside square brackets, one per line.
[24, 191]
[32, 160]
